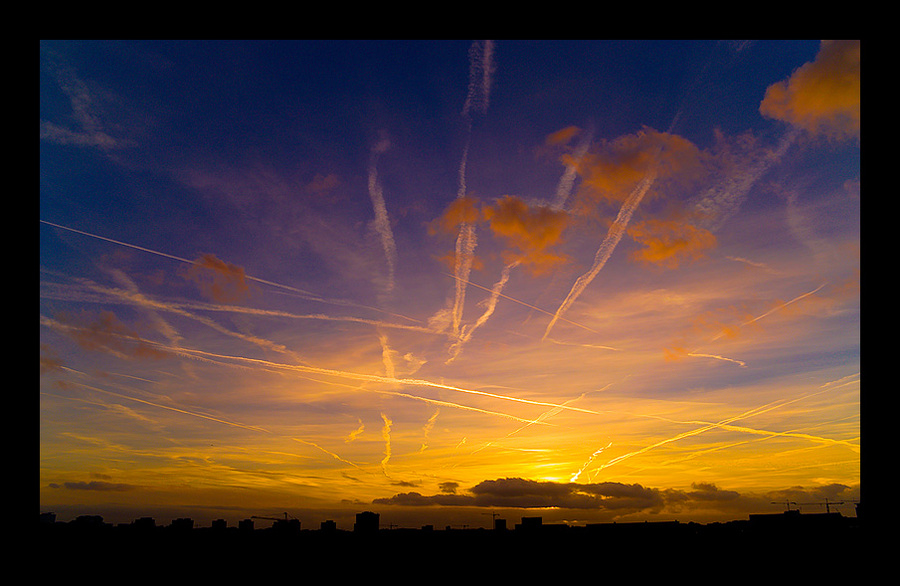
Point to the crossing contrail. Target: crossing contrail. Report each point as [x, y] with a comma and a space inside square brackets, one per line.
[613, 236]
[467, 332]
[300, 292]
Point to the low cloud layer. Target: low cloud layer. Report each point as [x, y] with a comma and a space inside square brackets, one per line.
[620, 498]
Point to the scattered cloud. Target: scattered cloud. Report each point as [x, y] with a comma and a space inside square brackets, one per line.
[218, 280]
[821, 97]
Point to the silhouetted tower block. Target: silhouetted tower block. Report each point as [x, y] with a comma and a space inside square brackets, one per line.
[366, 522]
[88, 521]
[328, 525]
[219, 524]
[144, 525]
[287, 526]
[245, 525]
[182, 524]
[531, 524]
[500, 524]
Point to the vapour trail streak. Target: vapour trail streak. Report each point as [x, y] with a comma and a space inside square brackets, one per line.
[466, 334]
[514, 300]
[215, 419]
[304, 294]
[725, 424]
[699, 355]
[175, 409]
[481, 68]
[256, 362]
[437, 402]
[113, 295]
[613, 236]
[750, 321]
[382, 222]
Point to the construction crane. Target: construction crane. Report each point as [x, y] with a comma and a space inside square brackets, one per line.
[493, 517]
[827, 504]
[271, 518]
[786, 503]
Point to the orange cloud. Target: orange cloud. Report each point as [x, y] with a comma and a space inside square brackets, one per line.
[218, 280]
[562, 136]
[528, 230]
[823, 96]
[612, 169]
[463, 210]
[104, 331]
[669, 242]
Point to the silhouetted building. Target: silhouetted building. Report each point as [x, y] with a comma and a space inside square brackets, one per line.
[48, 518]
[366, 522]
[245, 525]
[500, 524]
[530, 524]
[328, 526]
[287, 526]
[182, 524]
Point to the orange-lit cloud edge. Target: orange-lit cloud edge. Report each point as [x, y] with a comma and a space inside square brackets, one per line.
[484, 403]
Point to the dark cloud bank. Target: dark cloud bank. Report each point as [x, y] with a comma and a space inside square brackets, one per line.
[616, 497]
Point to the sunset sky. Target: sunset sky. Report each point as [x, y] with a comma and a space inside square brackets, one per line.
[443, 280]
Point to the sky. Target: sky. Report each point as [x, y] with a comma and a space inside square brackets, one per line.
[449, 280]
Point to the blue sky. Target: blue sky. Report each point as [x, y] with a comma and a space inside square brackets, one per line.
[422, 274]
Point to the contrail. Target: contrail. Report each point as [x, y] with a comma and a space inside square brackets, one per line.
[481, 69]
[613, 236]
[386, 435]
[738, 362]
[564, 188]
[466, 333]
[429, 425]
[304, 294]
[725, 424]
[217, 420]
[520, 302]
[588, 463]
[382, 222]
[113, 295]
[175, 409]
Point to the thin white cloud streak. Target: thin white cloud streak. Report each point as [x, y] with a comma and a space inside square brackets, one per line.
[266, 364]
[481, 70]
[613, 236]
[466, 333]
[386, 435]
[214, 419]
[304, 294]
[725, 424]
[716, 357]
[778, 307]
[174, 409]
[722, 201]
[528, 305]
[84, 112]
[429, 425]
[112, 295]
[567, 181]
[596, 453]
[382, 221]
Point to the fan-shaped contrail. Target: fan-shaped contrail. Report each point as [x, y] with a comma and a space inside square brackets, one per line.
[613, 236]
[382, 222]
